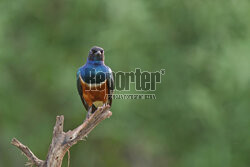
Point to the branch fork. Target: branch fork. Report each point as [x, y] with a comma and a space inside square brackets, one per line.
[63, 141]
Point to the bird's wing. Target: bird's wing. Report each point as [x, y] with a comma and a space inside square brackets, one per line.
[110, 85]
[79, 88]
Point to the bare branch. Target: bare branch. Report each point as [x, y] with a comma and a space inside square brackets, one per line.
[90, 123]
[58, 128]
[28, 153]
[61, 141]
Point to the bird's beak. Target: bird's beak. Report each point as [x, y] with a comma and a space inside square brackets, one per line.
[98, 53]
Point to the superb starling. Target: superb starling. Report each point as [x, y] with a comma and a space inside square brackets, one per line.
[95, 81]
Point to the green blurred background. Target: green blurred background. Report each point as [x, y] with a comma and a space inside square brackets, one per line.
[201, 117]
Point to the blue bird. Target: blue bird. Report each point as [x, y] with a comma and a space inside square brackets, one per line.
[95, 83]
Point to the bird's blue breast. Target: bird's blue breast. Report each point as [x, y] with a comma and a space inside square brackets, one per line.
[94, 73]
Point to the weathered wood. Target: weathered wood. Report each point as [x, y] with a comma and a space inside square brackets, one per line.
[61, 141]
[32, 158]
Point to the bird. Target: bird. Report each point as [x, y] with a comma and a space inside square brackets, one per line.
[95, 82]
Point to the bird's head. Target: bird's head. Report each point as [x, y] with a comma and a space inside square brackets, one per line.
[96, 54]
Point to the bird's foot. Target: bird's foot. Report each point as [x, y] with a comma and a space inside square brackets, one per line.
[93, 108]
[89, 113]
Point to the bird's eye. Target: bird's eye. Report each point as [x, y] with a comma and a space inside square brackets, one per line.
[101, 51]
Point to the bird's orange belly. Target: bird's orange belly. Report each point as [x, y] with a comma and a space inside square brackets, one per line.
[95, 92]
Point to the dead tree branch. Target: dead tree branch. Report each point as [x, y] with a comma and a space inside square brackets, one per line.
[62, 141]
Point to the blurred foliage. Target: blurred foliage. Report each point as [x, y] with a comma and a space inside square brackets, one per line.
[201, 115]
